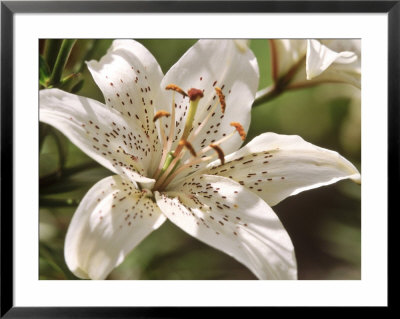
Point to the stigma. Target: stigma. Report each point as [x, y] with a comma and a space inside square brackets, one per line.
[195, 94]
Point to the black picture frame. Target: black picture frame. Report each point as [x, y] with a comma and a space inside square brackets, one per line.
[9, 8]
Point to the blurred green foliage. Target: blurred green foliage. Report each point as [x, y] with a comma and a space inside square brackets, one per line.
[324, 224]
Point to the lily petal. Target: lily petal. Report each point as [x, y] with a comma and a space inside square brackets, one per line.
[320, 57]
[277, 166]
[206, 65]
[226, 216]
[98, 131]
[129, 77]
[286, 54]
[111, 220]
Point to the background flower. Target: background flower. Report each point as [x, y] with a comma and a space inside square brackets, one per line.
[307, 62]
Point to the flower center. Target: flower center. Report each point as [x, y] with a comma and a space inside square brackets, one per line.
[172, 163]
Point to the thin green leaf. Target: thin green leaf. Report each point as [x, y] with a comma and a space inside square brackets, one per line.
[43, 131]
[61, 61]
[62, 147]
[44, 71]
[67, 82]
[55, 261]
[51, 48]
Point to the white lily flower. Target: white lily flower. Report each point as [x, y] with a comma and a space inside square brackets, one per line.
[302, 63]
[163, 144]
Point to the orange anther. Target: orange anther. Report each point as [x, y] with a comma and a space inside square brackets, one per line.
[160, 114]
[176, 88]
[220, 153]
[240, 130]
[188, 146]
[221, 97]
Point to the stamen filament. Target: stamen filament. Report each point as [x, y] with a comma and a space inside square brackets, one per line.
[201, 126]
[168, 170]
[159, 115]
[182, 168]
[168, 144]
[169, 166]
[164, 150]
[221, 100]
[215, 145]
[172, 124]
[220, 141]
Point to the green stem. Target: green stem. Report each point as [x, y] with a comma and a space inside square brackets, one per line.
[62, 149]
[50, 51]
[64, 173]
[280, 86]
[267, 94]
[61, 61]
[81, 167]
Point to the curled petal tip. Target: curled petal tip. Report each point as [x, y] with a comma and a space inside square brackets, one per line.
[356, 178]
[242, 44]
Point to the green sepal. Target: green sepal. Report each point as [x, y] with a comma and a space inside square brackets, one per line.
[61, 61]
[78, 86]
[67, 82]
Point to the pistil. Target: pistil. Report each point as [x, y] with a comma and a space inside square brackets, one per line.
[167, 163]
[195, 95]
